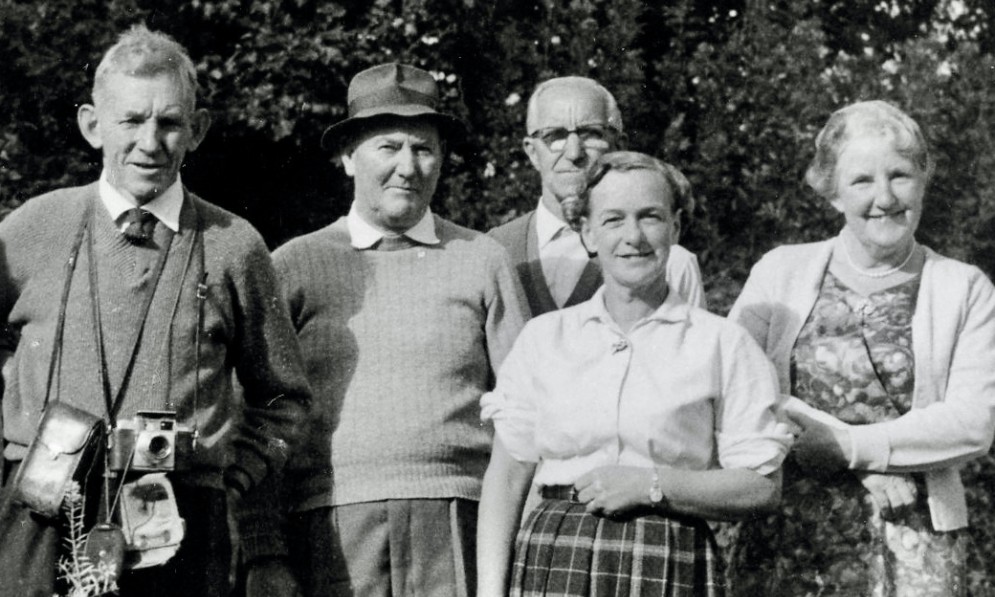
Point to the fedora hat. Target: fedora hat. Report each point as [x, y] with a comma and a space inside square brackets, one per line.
[391, 90]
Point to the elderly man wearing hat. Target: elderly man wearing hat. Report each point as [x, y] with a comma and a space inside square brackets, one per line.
[403, 318]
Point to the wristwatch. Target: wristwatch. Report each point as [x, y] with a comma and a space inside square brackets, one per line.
[656, 492]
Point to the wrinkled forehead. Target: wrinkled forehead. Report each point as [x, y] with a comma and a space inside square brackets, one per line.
[120, 88]
[570, 106]
[632, 189]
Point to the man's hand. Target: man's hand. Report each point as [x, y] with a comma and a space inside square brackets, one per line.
[893, 495]
[271, 577]
[611, 491]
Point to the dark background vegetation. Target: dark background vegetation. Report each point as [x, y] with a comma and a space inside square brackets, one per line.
[733, 92]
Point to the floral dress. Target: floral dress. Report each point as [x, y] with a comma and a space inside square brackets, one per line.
[854, 360]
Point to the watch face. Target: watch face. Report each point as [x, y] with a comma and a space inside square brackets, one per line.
[656, 494]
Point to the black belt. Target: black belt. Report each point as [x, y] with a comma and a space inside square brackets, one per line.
[560, 492]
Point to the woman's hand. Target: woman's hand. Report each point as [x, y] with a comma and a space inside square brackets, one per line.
[892, 494]
[820, 446]
[613, 490]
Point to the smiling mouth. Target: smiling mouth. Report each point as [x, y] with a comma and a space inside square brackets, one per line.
[893, 214]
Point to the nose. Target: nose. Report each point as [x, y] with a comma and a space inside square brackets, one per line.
[574, 149]
[885, 195]
[405, 162]
[632, 233]
[147, 137]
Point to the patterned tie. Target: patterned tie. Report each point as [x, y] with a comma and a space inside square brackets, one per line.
[140, 223]
[395, 243]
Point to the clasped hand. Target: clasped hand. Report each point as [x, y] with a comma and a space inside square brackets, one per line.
[893, 495]
[611, 491]
[819, 446]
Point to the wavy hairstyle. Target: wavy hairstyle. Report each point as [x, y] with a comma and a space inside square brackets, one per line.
[868, 118]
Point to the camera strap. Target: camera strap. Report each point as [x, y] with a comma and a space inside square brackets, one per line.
[60, 323]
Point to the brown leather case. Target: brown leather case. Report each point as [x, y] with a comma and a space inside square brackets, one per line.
[65, 449]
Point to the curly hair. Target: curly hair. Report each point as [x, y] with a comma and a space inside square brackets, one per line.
[868, 118]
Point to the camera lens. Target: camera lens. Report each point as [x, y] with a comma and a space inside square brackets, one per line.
[159, 447]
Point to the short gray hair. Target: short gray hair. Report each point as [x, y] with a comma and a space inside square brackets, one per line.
[875, 117]
[627, 161]
[140, 52]
[532, 114]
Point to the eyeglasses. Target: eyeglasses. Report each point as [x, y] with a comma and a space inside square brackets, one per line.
[591, 137]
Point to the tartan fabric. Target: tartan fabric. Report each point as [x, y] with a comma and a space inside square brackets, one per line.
[563, 550]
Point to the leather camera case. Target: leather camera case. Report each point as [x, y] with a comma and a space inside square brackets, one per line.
[66, 448]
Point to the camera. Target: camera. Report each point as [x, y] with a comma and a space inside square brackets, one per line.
[151, 441]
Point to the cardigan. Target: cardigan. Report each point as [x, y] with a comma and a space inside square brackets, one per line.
[683, 389]
[520, 239]
[399, 346]
[953, 338]
[247, 330]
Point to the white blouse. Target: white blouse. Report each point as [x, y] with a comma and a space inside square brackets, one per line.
[683, 389]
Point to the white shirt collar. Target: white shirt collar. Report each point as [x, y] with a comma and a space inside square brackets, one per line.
[673, 309]
[547, 225]
[166, 207]
[363, 235]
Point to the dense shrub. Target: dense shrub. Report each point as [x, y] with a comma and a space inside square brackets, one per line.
[732, 91]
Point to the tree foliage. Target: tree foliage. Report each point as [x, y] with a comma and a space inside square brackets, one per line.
[731, 91]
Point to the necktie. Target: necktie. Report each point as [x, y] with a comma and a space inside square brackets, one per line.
[395, 243]
[140, 225]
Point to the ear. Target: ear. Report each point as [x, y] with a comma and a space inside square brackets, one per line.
[621, 142]
[199, 124]
[837, 204]
[677, 225]
[86, 118]
[348, 164]
[528, 144]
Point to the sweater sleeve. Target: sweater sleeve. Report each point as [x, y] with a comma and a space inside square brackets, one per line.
[262, 517]
[269, 367]
[752, 308]
[959, 425]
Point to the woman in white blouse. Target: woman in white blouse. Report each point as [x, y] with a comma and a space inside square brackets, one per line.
[637, 415]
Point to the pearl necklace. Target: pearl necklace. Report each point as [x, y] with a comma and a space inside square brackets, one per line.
[869, 274]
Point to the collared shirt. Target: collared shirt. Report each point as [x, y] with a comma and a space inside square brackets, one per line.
[683, 389]
[561, 254]
[166, 207]
[363, 235]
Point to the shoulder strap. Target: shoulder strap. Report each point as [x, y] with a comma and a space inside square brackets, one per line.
[60, 324]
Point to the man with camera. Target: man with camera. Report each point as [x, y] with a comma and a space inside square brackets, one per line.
[404, 318]
[133, 301]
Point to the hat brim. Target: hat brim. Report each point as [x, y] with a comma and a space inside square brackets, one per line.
[338, 136]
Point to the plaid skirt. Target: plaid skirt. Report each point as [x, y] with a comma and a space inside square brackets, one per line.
[563, 550]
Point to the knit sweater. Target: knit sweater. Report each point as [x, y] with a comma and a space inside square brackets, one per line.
[245, 323]
[399, 347]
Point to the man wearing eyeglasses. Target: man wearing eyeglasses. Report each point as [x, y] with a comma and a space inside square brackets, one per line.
[571, 121]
